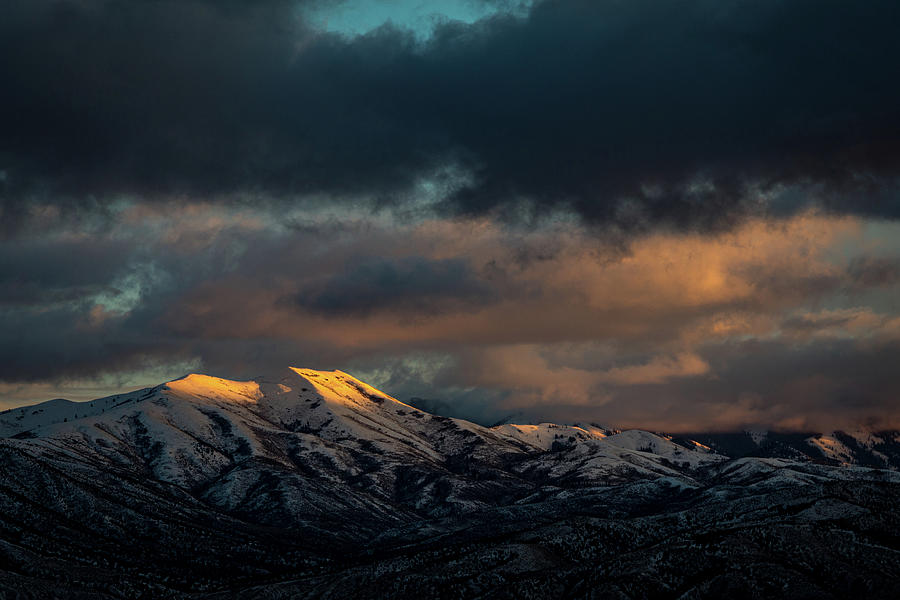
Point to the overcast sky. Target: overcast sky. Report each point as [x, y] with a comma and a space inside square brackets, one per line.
[676, 215]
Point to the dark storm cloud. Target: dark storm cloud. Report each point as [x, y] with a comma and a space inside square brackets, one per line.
[84, 307]
[414, 286]
[40, 271]
[631, 112]
[53, 342]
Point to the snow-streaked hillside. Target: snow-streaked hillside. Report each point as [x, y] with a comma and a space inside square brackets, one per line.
[544, 435]
[205, 482]
[320, 441]
[202, 431]
[200, 427]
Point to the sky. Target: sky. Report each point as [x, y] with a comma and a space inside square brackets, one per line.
[675, 215]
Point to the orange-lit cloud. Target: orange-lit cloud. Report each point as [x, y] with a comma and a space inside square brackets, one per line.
[559, 320]
[548, 286]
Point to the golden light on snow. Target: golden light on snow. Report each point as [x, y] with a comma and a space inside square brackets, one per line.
[202, 385]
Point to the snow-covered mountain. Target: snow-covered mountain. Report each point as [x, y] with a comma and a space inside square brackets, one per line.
[878, 449]
[306, 434]
[204, 482]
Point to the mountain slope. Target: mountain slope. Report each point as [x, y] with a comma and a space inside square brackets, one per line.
[203, 482]
[275, 449]
[877, 449]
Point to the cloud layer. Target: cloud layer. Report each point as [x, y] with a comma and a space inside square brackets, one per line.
[691, 114]
[788, 323]
[676, 215]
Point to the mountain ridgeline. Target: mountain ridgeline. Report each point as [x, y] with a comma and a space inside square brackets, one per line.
[314, 484]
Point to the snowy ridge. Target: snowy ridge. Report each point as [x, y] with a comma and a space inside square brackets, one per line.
[193, 429]
[338, 409]
[544, 435]
[254, 477]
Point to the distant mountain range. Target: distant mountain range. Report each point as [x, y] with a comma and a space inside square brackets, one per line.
[314, 484]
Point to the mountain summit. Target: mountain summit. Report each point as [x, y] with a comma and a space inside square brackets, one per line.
[307, 475]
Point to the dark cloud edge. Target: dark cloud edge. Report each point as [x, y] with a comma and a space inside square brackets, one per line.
[686, 115]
